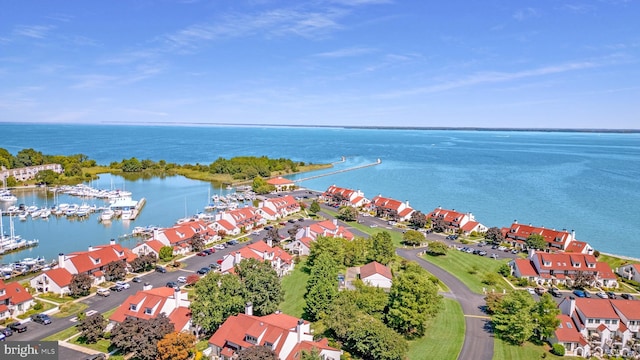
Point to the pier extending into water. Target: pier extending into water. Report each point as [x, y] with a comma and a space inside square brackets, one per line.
[378, 162]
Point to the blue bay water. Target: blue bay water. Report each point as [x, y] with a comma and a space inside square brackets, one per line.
[587, 182]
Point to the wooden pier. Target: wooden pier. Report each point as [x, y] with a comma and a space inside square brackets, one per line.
[378, 162]
[139, 206]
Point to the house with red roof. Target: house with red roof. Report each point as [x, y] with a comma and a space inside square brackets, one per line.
[328, 228]
[281, 184]
[629, 272]
[563, 268]
[93, 262]
[607, 325]
[278, 207]
[387, 207]
[344, 196]
[517, 235]
[568, 335]
[246, 218]
[14, 300]
[151, 302]
[456, 220]
[286, 335]
[281, 261]
[377, 275]
[180, 235]
[151, 246]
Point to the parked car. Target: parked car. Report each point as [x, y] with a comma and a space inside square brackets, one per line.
[103, 292]
[232, 242]
[531, 291]
[555, 292]
[99, 356]
[540, 290]
[494, 256]
[2, 336]
[43, 319]
[203, 271]
[136, 279]
[291, 221]
[579, 293]
[161, 269]
[627, 296]
[116, 288]
[125, 285]
[587, 294]
[172, 284]
[202, 253]
[17, 327]
[214, 266]
[219, 246]
[6, 332]
[611, 294]
[182, 279]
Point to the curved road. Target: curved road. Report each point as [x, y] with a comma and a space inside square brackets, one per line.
[478, 338]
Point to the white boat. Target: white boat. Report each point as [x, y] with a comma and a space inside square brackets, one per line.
[126, 214]
[63, 207]
[107, 215]
[45, 213]
[23, 216]
[8, 197]
[32, 208]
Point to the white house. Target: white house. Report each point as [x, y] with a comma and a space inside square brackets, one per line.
[377, 275]
[280, 260]
[630, 272]
[14, 299]
[278, 207]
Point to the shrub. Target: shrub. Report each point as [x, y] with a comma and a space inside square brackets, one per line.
[596, 253]
[38, 306]
[504, 270]
[473, 270]
[523, 282]
[558, 349]
[490, 278]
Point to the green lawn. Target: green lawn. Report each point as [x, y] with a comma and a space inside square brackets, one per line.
[528, 351]
[294, 286]
[445, 335]
[61, 335]
[55, 298]
[45, 306]
[70, 309]
[460, 264]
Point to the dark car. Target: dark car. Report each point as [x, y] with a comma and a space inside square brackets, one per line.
[268, 227]
[203, 271]
[291, 221]
[555, 292]
[160, 269]
[17, 327]
[611, 294]
[172, 284]
[99, 356]
[214, 266]
[117, 288]
[136, 279]
[232, 242]
[627, 296]
[43, 319]
[6, 331]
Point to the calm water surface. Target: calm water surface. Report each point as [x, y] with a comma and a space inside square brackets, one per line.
[587, 182]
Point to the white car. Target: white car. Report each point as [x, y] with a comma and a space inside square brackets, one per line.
[125, 285]
[602, 295]
[531, 291]
[182, 279]
[218, 246]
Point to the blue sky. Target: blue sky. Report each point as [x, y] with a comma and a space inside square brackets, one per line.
[541, 64]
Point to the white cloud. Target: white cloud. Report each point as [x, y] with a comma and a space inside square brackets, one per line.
[93, 81]
[348, 52]
[33, 31]
[526, 13]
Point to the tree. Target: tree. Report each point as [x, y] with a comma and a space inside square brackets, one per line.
[197, 242]
[315, 207]
[417, 220]
[262, 285]
[356, 251]
[583, 279]
[513, 319]
[215, 298]
[141, 336]
[116, 270]
[371, 300]
[493, 300]
[293, 231]
[545, 316]
[272, 235]
[382, 248]
[257, 353]
[144, 262]
[413, 238]
[504, 270]
[494, 235]
[48, 177]
[536, 241]
[176, 346]
[490, 278]
[331, 245]
[91, 327]
[437, 248]
[558, 349]
[192, 279]
[322, 286]
[438, 225]
[313, 354]
[413, 299]
[80, 285]
[347, 213]
[166, 253]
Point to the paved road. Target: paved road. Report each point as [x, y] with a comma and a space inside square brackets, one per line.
[478, 338]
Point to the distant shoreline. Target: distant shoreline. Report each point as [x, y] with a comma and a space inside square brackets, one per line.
[361, 127]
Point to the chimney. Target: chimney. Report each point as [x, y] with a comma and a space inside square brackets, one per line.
[264, 255]
[573, 234]
[515, 221]
[61, 260]
[237, 258]
[248, 308]
[156, 234]
[335, 222]
[90, 248]
[176, 295]
[406, 203]
[299, 330]
[112, 242]
[270, 242]
[146, 286]
[307, 231]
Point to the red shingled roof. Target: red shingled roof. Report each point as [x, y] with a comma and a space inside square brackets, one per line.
[525, 267]
[375, 267]
[15, 292]
[568, 332]
[279, 181]
[60, 276]
[629, 308]
[596, 308]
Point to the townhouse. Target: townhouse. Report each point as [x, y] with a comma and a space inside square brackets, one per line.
[457, 221]
[603, 326]
[281, 261]
[93, 262]
[329, 228]
[278, 207]
[281, 184]
[178, 237]
[563, 268]
[629, 272]
[286, 335]
[387, 207]
[517, 234]
[236, 221]
[344, 196]
[29, 172]
[14, 300]
[150, 302]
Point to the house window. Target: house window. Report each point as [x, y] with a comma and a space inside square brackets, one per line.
[250, 339]
[147, 311]
[614, 321]
[590, 321]
[607, 322]
[133, 307]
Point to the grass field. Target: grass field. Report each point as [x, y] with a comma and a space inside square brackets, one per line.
[460, 264]
[294, 286]
[445, 335]
[70, 309]
[528, 351]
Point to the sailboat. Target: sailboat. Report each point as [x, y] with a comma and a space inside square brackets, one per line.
[211, 206]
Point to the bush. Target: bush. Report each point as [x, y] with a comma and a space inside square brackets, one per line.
[523, 282]
[473, 270]
[558, 349]
[38, 306]
[504, 270]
